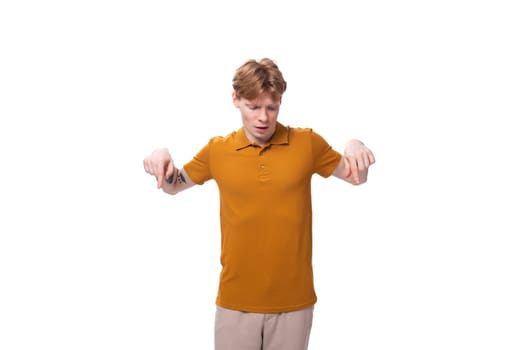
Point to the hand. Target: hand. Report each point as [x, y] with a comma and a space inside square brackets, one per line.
[160, 165]
[357, 158]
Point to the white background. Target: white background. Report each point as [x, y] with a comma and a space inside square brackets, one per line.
[429, 254]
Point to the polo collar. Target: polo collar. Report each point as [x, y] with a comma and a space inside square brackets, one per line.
[280, 137]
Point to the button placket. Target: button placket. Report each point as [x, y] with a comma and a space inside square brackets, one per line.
[263, 168]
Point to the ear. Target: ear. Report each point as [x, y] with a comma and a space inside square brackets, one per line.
[236, 100]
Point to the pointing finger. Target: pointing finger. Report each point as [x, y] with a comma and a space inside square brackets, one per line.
[170, 171]
[159, 174]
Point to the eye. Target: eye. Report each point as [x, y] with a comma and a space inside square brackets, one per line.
[272, 108]
[253, 108]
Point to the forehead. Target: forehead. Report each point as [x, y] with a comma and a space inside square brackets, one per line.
[263, 99]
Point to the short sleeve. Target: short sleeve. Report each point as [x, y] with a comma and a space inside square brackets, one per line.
[198, 169]
[325, 158]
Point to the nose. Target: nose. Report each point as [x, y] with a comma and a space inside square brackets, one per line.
[263, 115]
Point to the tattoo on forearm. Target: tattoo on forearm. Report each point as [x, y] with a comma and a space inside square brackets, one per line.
[180, 178]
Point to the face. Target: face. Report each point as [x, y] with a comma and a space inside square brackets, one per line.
[259, 117]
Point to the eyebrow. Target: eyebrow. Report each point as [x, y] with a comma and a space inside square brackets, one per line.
[253, 104]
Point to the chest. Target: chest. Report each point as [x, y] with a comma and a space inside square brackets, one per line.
[276, 168]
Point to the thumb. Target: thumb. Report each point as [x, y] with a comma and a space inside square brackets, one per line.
[348, 169]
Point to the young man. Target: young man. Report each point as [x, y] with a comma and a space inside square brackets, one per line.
[263, 172]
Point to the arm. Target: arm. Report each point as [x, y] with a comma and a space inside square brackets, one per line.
[172, 180]
[353, 166]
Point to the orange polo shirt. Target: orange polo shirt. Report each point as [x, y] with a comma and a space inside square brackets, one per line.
[265, 215]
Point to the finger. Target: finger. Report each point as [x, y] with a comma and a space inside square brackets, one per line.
[159, 174]
[355, 175]
[362, 163]
[372, 158]
[147, 168]
[347, 167]
[354, 169]
[170, 171]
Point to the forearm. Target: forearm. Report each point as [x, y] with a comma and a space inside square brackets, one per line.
[177, 182]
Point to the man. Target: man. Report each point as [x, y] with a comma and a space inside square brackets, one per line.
[263, 172]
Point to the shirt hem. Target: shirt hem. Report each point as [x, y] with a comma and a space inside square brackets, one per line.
[265, 310]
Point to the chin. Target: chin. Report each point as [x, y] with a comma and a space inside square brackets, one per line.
[261, 133]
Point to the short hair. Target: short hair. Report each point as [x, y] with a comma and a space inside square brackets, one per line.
[256, 77]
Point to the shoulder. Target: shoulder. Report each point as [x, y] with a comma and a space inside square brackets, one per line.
[218, 140]
[300, 130]
[300, 133]
[224, 143]
[304, 133]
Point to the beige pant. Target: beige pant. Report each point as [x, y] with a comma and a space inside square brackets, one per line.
[236, 330]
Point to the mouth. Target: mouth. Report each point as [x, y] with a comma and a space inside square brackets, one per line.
[261, 128]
